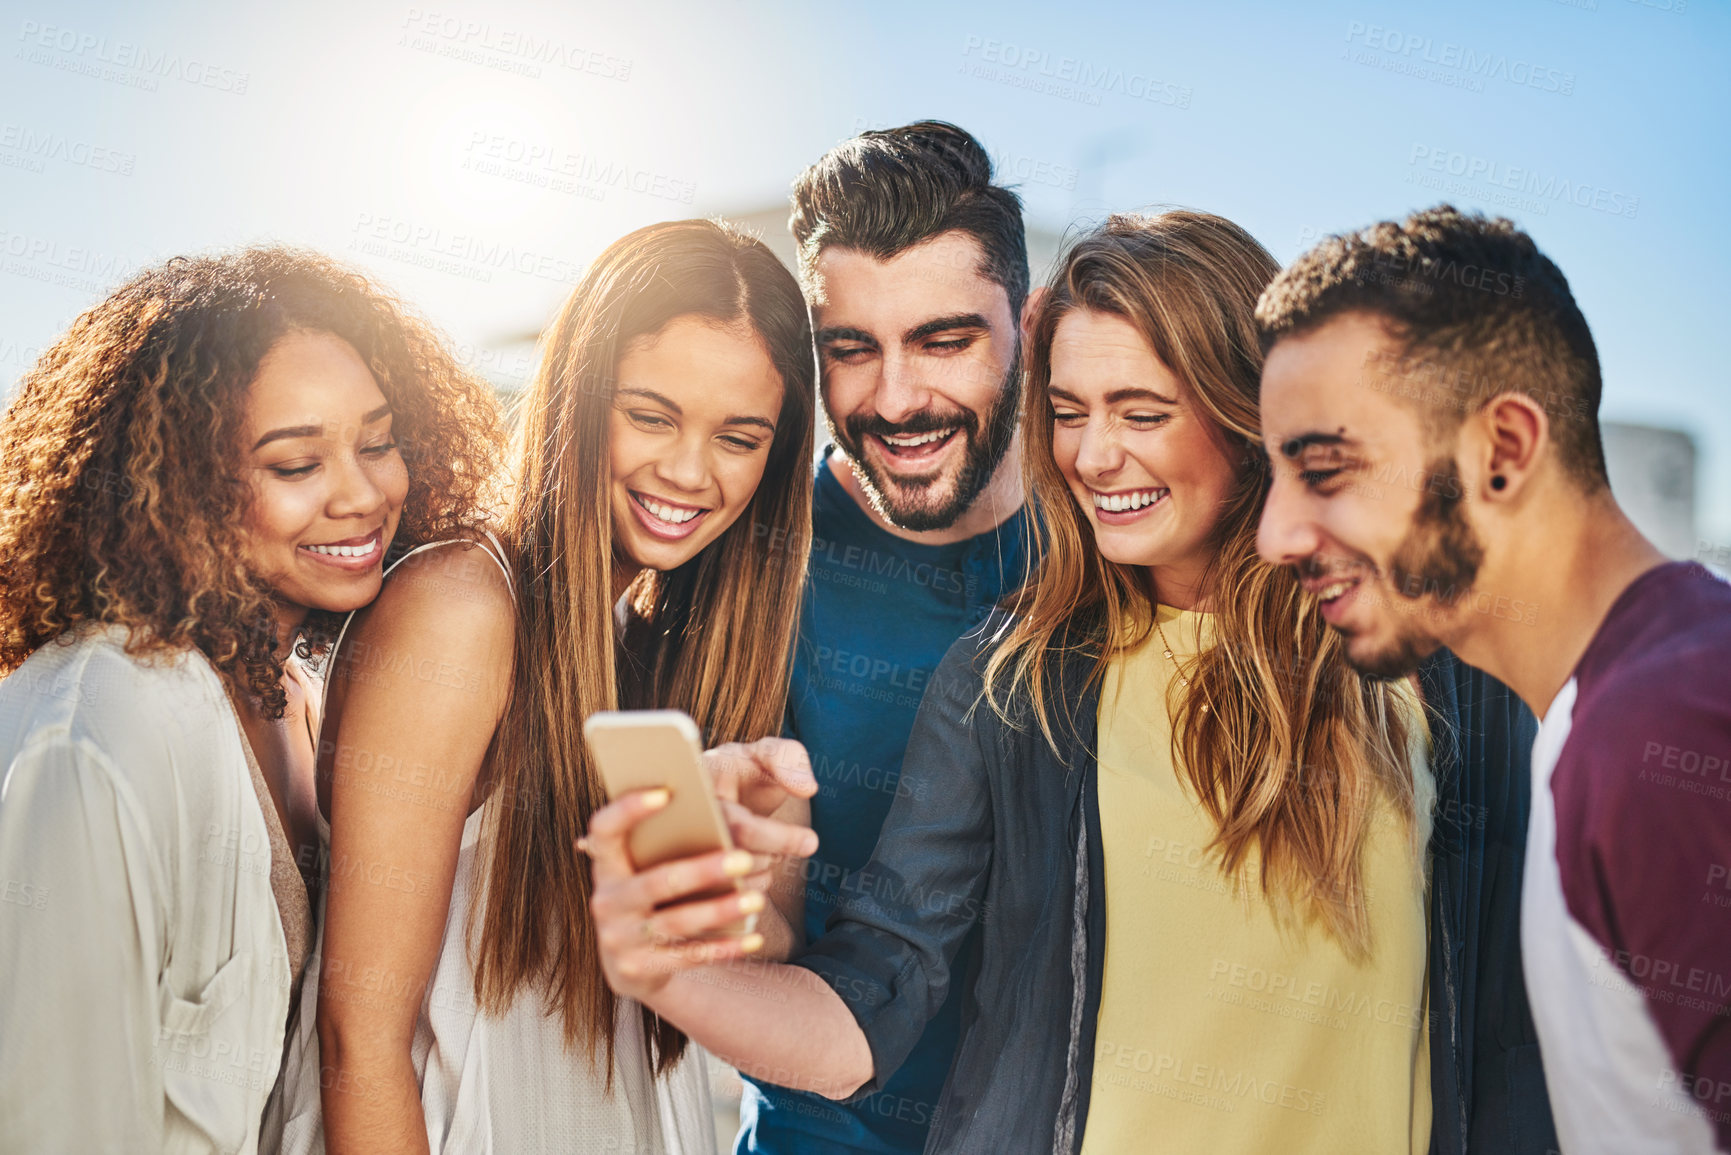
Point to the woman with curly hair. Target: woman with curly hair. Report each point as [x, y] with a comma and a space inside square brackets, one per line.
[654, 550]
[205, 470]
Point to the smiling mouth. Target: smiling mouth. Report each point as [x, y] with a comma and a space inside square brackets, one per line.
[1333, 594]
[913, 447]
[1130, 501]
[353, 553]
[1334, 589]
[666, 519]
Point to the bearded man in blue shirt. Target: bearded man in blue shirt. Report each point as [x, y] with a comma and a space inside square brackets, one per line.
[916, 268]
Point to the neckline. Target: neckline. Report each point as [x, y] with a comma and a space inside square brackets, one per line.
[1187, 633]
[833, 493]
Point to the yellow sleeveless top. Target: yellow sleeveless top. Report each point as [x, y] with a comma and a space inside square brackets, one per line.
[1219, 1029]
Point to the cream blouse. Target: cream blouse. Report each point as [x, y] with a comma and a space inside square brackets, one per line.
[144, 978]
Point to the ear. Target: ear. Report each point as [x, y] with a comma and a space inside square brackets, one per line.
[1516, 432]
[1030, 309]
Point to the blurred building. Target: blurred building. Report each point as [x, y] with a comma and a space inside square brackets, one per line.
[1653, 477]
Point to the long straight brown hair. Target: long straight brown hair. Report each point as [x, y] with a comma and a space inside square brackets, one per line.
[1283, 743]
[720, 628]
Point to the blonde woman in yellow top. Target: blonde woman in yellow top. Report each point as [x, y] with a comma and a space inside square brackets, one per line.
[1263, 813]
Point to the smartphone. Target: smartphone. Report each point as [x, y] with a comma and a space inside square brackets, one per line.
[645, 749]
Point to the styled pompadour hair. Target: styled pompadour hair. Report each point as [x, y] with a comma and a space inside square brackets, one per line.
[887, 190]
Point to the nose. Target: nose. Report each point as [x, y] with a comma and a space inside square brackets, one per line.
[356, 492]
[901, 392]
[686, 465]
[1286, 535]
[1100, 453]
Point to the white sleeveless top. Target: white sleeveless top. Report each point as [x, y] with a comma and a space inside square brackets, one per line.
[502, 1083]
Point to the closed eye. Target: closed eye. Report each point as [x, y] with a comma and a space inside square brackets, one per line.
[1317, 476]
[954, 345]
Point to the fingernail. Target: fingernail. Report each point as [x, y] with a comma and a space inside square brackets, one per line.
[736, 863]
[751, 902]
[656, 799]
[751, 943]
[811, 845]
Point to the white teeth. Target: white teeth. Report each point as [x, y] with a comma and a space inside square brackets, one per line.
[906, 441]
[1119, 502]
[346, 550]
[1329, 592]
[668, 513]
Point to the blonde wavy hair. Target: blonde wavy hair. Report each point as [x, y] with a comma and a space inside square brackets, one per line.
[1286, 747]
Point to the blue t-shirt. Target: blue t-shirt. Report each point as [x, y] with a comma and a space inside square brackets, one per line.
[878, 616]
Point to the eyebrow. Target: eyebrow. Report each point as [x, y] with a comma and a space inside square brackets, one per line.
[844, 333]
[292, 431]
[944, 325]
[670, 403]
[1293, 446]
[658, 398]
[1128, 393]
[917, 333]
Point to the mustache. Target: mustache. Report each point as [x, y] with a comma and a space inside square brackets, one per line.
[1320, 567]
[861, 425]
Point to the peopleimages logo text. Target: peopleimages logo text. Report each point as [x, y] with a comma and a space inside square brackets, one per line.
[1522, 179]
[1446, 54]
[1088, 77]
[91, 49]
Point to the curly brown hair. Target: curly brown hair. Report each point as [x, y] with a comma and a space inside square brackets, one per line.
[120, 484]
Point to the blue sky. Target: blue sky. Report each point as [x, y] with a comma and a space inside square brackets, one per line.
[475, 154]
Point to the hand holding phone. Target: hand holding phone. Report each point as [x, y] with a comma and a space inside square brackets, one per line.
[647, 749]
[655, 921]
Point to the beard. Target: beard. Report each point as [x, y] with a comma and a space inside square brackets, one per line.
[1434, 566]
[927, 503]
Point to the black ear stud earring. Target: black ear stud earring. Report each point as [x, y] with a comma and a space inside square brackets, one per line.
[1499, 482]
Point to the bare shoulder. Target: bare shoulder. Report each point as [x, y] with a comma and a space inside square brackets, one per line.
[453, 576]
[458, 587]
[445, 617]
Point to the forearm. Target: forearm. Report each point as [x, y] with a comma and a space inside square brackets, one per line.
[782, 1024]
[371, 1099]
[783, 923]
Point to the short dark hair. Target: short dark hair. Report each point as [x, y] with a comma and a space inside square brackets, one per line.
[887, 190]
[1473, 296]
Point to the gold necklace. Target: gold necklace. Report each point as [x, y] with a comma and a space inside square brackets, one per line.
[1170, 657]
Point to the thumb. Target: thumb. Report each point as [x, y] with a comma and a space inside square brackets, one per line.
[787, 763]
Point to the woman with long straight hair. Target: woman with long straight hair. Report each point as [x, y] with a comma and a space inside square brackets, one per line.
[1157, 737]
[197, 481]
[651, 556]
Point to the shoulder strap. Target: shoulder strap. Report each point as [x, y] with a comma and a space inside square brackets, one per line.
[496, 553]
